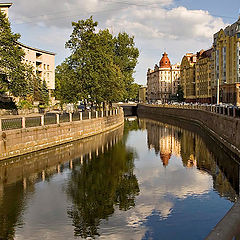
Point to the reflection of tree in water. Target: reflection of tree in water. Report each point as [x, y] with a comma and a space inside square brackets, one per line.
[97, 185]
[12, 204]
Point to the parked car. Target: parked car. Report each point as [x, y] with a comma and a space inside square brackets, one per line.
[81, 107]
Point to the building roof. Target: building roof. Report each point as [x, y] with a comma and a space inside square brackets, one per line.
[205, 54]
[5, 5]
[165, 62]
[36, 49]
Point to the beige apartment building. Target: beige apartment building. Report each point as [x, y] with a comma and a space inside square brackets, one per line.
[175, 71]
[43, 62]
[4, 7]
[162, 82]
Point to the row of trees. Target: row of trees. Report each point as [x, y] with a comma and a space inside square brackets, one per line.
[100, 67]
[16, 77]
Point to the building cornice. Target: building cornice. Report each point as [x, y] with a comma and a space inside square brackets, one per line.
[36, 49]
[5, 5]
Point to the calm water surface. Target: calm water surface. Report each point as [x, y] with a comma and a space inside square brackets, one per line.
[148, 180]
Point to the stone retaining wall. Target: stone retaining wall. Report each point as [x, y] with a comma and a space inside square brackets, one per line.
[224, 128]
[21, 141]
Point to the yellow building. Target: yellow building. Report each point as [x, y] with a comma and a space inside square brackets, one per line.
[187, 76]
[142, 94]
[203, 76]
[227, 58]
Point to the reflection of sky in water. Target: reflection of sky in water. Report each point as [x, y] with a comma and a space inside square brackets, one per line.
[174, 203]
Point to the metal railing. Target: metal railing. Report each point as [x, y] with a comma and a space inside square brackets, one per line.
[231, 111]
[17, 122]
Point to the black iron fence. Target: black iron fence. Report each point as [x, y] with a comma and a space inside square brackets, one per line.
[13, 123]
[33, 121]
[18, 122]
[231, 111]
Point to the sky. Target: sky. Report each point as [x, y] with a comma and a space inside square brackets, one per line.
[174, 26]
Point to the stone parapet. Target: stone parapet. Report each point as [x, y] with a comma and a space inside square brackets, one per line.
[22, 141]
[224, 128]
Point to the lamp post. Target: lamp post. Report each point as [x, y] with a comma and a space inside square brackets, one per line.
[218, 91]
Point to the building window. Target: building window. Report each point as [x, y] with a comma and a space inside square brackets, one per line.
[47, 67]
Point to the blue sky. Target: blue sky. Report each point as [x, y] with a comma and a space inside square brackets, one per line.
[174, 26]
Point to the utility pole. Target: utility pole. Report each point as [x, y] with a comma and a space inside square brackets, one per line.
[218, 91]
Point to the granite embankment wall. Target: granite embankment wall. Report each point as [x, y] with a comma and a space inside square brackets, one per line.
[22, 141]
[48, 162]
[223, 128]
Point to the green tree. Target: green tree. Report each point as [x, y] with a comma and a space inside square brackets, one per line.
[180, 94]
[68, 88]
[133, 92]
[15, 76]
[100, 65]
[126, 55]
[45, 93]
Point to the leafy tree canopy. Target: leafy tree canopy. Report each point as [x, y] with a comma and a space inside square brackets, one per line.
[15, 76]
[100, 66]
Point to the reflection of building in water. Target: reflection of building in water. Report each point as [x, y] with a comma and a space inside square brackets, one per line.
[164, 139]
[168, 140]
[142, 124]
[195, 153]
[188, 149]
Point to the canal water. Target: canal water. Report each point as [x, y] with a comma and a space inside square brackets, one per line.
[146, 180]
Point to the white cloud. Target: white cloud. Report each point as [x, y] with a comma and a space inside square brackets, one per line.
[158, 25]
[177, 23]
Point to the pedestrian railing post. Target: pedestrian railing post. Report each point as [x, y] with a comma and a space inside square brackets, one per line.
[234, 112]
[0, 124]
[23, 122]
[228, 111]
[80, 116]
[89, 115]
[42, 120]
[70, 117]
[102, 113]
[57, 118]
[96, 114]
[106, 113]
